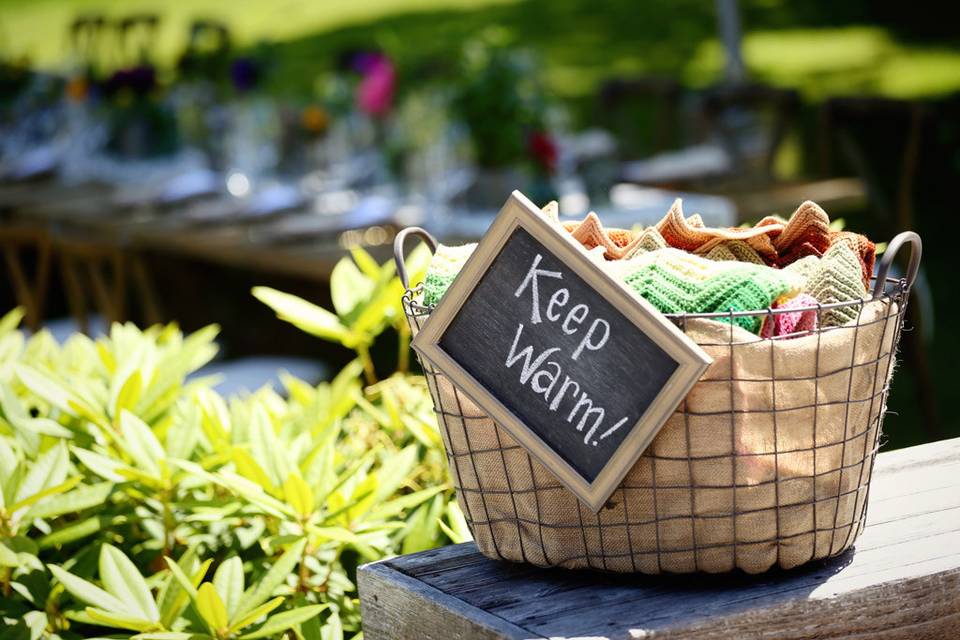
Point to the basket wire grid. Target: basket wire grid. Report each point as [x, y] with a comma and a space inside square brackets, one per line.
[497, 507]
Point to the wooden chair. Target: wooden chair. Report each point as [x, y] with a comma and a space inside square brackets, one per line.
[27, 257]
[98, 277]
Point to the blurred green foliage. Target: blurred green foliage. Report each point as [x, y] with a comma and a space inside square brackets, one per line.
[819, 47]
[138, 502]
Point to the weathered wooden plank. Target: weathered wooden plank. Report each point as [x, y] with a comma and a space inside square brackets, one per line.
[931, 453]
[394, 605]
[914, 609]
[925, 518]
[902, 581]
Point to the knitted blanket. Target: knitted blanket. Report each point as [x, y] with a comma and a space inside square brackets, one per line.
[793, 323]
[690, 235]
[836, 277]
[618, 244]
[721, 269]
[673, 281]
[772, 241]
[444, 267]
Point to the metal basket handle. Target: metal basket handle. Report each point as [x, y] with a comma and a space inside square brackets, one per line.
[916, 249]
[398, 256]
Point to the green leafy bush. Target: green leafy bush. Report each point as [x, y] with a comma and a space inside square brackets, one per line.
[135, 502]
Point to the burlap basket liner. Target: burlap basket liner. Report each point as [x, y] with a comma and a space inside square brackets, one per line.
[767, 462]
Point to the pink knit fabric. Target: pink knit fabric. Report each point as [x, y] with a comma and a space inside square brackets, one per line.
[797, 322]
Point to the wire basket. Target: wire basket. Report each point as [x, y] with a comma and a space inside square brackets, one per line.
[766, 462]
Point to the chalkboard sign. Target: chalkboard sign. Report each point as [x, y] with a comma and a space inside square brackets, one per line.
[581, 371]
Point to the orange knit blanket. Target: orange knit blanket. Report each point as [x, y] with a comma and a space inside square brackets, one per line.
[772, 241]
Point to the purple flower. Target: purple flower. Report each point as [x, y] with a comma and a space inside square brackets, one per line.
[245, 74]
[140, 80]
[375, 92]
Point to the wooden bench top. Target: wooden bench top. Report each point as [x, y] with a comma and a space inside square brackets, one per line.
[902, 580]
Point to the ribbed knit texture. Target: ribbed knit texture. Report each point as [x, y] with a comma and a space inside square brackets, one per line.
[690, 235]
[807, 233]
[861, 245]
[675, 281]
[835, 277]
[772, 241]
[444, 267]
[793, 324]
[590, 232]
[729, 274]
[736, 250]
[648, 240]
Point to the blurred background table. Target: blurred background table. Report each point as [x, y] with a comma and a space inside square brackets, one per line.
[158, 174]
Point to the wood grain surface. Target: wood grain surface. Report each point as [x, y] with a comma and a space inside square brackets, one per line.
[902, 580]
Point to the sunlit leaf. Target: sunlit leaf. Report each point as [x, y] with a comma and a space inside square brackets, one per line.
[106, 468]
[90, 593]
[228, 581]
[141, 443]
[398, 505]
[298, 495]
[187, 583]
[250, 469]
[41, 495]
[7, 557]
[283, 621]
[49, 470]
[266, 447]
[11, 320]
[458, 530]
[332, 628]
[366, 263]
[122, 579]
[56, 394]
[37, 622]
[264, 588]
[349, 287]
[112, 619]
[241, 486]
[73, 532]
[71, 502]
[341, 534]
[395, 471]
[172, 597]
[28, 429]
[305, 315]
[255, 614]
[8, 466]
[128, 394]
[424, 526]
[211, 607]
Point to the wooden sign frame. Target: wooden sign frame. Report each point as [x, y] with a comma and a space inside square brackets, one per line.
[691, 359]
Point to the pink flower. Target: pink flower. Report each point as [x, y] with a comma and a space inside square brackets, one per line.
[375, 92]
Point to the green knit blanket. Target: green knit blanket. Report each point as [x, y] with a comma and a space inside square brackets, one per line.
[672, 280]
